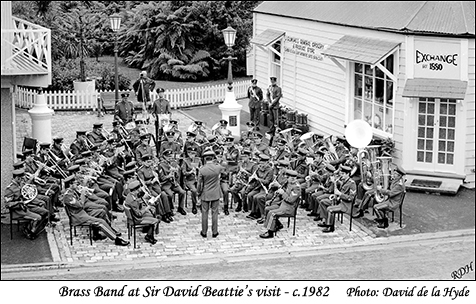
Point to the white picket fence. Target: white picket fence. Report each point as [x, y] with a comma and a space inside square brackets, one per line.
[179, 98]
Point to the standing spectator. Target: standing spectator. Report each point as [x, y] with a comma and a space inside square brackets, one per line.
[273, 95]
[209, 191]
[255, 94]
[124, 110]
[142, 87]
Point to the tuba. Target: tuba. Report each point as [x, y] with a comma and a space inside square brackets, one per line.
[382, 177]
[368, 162]
[331, 153]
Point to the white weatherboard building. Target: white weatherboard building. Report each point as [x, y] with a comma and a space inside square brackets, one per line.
[407, 68]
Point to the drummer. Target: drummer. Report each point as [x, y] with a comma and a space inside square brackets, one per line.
[161, 106]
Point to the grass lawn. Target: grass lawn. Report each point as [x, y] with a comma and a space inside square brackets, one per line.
[133, 74]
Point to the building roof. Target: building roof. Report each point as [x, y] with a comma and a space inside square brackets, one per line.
[438, 88]
[424, 17]
[361, 49]
[267, 37]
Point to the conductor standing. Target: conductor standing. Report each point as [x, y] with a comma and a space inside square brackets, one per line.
[209, 191]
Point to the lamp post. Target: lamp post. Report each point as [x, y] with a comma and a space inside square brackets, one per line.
[230, 108]
[115, 25]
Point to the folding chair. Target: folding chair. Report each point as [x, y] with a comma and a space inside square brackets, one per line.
[296, 206]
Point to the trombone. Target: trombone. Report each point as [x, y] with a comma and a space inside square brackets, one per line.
[54, 160]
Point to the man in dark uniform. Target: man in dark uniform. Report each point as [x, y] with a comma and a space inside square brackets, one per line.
[141, 212]
[209, 192]
[76, 204]
[264, 176]
[124, 110]
[33, 210]
[160, 106]
[57, 150]
[79, 145]
[148, 177]
[246, 169]
[289, 195]
[96, 137]
[393, 196]
[169, 177]
[319, 198]
[143, 148]
[189, 172]
[344, 190]
[273, 95]
[302, 168]
[170, 144]
[255, 95]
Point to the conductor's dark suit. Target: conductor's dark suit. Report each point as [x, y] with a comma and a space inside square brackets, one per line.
[210, 193]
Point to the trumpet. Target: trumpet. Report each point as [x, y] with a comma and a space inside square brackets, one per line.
[33, 177]
[48, 169]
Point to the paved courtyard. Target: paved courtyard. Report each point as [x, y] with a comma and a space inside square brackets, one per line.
[238, 235]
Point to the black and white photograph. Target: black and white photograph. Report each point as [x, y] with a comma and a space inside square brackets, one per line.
[218, 151]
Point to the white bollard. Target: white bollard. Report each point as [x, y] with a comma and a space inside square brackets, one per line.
[231, 112]
[41, 120]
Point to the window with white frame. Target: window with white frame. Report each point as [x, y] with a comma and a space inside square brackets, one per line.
[275, 59]
[374, 94]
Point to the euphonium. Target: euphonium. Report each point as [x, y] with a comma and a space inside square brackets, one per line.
[382, 177]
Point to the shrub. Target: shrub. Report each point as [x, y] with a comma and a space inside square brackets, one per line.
[65, 71]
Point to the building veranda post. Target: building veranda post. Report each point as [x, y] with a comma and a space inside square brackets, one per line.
[407, 68]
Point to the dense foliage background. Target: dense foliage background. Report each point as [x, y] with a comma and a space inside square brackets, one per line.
[172, 40]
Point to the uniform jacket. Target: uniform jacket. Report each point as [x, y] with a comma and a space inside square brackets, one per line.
[274, 94]
[209, 182]
[165, 168]
[96, 138]
[255, 102]
[349, 190]
[138, 212]
[73, 202]
[124, 110]
[161, 106]
[143, 149]
[397, 188]
[289, 197]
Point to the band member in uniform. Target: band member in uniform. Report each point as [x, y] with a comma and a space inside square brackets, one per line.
[314, 180]
[160, 106]
[209, 192]
[189, 172]
[142, 87]
[57, 150]
[289, 195]
[143, 148]
[124, 110]
[169, 177]
[270, 200]
[33, 210]
[255, 95]
[393, 196]
[344, 191]
[302, 168]
[246, 169]
[258, 184]
[318, 198]
[141, 212]
[149, 177]
[273, 95]
[75, 203]
[170, 144]
[79, 145]
[96, 136]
